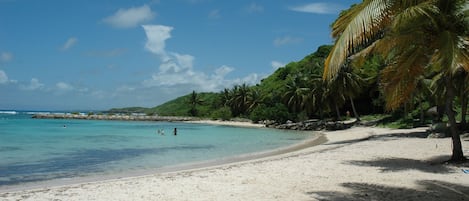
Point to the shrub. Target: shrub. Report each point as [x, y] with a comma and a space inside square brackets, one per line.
[278, 112]
[223, 113]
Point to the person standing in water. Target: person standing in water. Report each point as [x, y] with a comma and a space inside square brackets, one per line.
[175, 131]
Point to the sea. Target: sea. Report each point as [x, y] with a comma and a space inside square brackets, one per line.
[38, 150]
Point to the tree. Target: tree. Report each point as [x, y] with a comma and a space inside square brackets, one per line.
[413, 36]
[317, 96]
[295, 95]
[347, 85]
[193, 101]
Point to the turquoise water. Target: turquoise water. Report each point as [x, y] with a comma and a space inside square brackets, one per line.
[33, 150]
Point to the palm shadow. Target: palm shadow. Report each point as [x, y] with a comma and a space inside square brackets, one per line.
[402, 164]
[425, 190]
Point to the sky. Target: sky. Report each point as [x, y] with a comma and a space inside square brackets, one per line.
[102, 54]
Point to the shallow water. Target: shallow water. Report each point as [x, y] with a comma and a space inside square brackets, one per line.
[34, 150]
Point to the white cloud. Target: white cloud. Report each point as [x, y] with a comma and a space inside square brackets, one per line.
[176, 70]
[222, 71]
[3, 77]
[69, 43]
[64, 86]
[287, 40]
[318, 8]
[276, 65]
[34, 84]
[132, 17]
[156, 37]
[6, 57]
[255, 8]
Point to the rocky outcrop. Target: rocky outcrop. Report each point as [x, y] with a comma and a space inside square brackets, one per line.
[311, 125]
[114, 117]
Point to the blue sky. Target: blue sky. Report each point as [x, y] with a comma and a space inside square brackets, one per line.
[95, 55]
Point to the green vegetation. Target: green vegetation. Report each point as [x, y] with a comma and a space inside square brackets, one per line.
[408, 57]
[183, 105]
[128, 110]
[422, 41]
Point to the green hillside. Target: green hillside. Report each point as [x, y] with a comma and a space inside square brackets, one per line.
[290, 93]
[181, 107]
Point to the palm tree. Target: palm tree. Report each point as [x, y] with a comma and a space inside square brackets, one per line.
[254, 99]
[334, 95]
[422, 93]
[317, 96]
[241, 98]
[462, 87]
[347, 85]
[295, 95]
[193, 101]
[413, 35]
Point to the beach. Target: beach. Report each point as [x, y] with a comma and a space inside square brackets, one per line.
[361, 163]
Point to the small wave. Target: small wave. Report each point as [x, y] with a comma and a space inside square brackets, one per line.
[37, 113]
[8, 112]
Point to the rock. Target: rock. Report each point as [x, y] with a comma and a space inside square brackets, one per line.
[437, 135]
[333, 126]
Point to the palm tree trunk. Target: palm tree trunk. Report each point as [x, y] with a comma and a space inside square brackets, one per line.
[422, 113]
[457, 147]
[337, 111]
[463, 111]
[355, 113]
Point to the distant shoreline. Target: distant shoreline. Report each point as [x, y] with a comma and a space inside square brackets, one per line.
[120, 117]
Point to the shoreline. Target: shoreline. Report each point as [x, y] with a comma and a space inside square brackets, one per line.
[361, 163]
[315, 138]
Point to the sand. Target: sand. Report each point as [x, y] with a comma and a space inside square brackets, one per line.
[356, 164]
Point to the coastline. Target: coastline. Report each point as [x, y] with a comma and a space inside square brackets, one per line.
[361, 163]
[315, 139]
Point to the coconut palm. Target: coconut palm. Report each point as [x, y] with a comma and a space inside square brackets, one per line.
[347, 85]
[254, 99]
[462, 87]
[295, 94]
[413, 36]
[193, 101]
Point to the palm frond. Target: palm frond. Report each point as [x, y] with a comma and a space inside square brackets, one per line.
[355, 29]
[413, 17]
[452, 53]
[399, 78]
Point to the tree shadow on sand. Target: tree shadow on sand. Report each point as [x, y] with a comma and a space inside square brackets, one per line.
[425, 190]
[402, 164]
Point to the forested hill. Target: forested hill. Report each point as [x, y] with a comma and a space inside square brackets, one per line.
[294, 92]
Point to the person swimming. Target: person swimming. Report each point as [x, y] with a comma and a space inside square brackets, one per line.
[160, 131]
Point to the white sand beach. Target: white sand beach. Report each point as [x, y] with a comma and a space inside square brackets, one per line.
[357, 164]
